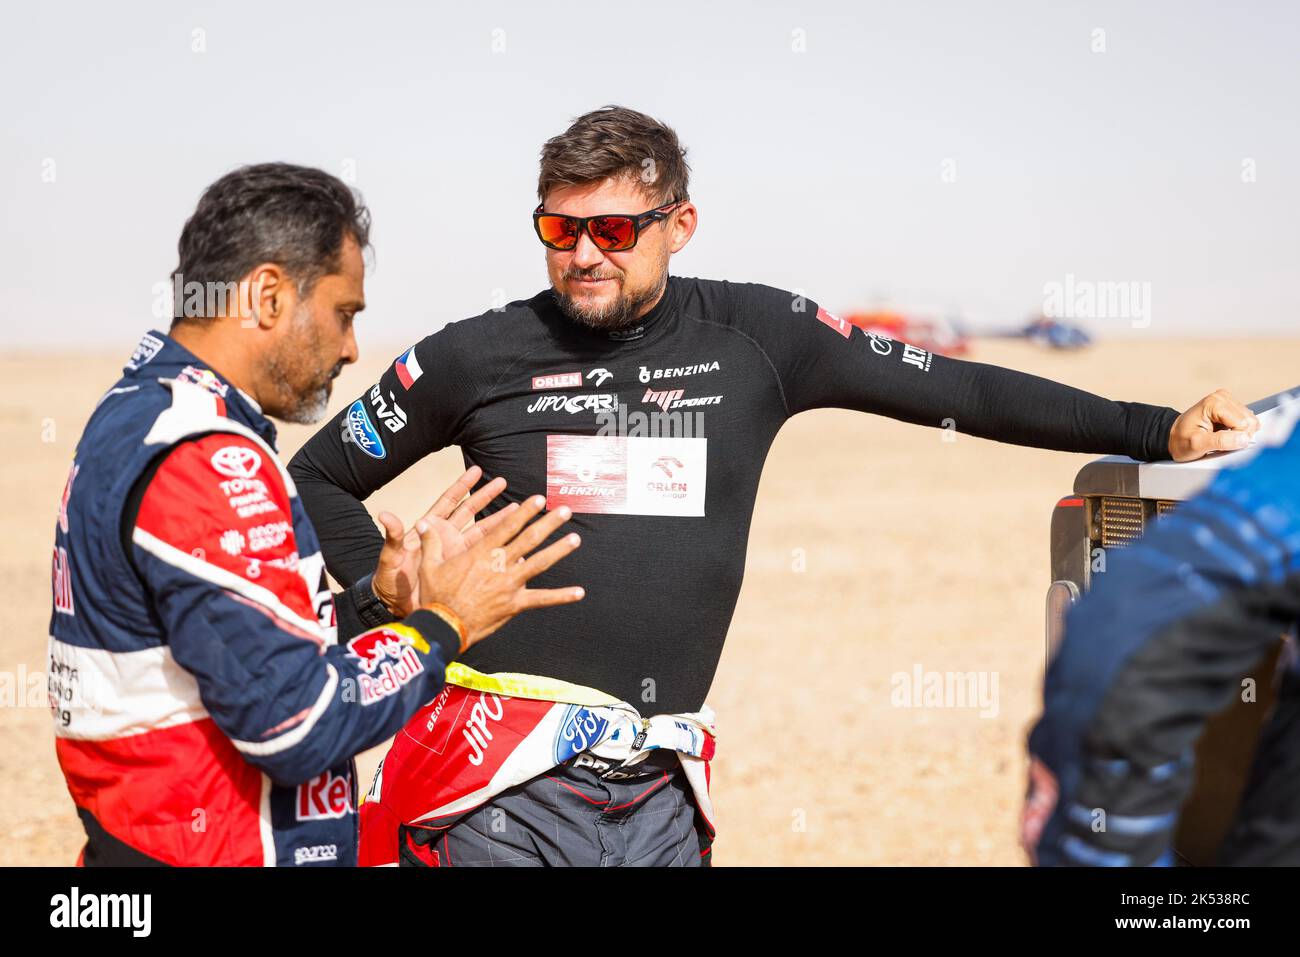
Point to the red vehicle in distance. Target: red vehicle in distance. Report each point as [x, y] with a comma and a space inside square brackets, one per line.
[931, 334]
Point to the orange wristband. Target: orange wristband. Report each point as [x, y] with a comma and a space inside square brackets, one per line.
[453, 619]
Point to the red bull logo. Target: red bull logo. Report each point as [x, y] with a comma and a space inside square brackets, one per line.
[388, 663]
[373, 647]
[324, 797]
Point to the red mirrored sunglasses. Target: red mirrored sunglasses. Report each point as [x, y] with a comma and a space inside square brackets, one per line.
[611, 232]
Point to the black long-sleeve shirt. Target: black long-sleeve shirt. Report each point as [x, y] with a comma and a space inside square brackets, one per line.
[663, 502]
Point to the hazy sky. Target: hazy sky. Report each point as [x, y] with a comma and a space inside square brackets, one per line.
[962, 155]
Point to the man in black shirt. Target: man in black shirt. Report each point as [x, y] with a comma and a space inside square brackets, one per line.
[647, 404]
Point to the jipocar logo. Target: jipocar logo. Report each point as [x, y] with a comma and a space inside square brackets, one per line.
[363, 431]
[236, 461]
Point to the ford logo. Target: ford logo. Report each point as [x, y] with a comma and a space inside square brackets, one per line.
[363, 432]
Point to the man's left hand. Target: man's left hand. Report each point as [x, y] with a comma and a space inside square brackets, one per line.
[1218, 423]
[396, 578]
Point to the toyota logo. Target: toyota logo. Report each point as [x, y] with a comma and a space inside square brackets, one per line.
[237, 461]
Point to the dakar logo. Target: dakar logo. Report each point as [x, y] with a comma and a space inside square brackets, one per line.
[236, 461]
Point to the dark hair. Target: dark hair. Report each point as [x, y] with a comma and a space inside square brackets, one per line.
[294, 216]
[616, 141]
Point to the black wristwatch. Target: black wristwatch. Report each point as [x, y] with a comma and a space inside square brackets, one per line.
[370, 609]
[359, 609]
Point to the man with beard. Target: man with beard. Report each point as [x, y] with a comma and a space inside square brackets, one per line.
[204, 713]
[646, 403]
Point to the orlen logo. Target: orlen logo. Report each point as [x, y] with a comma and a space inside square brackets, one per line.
[324, 798]
[673, 469]
[236, 461]
[667, 464]
[373, 647]
[561, 380]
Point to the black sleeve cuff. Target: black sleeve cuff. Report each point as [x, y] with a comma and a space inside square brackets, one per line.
[359, 609]
[436, 632]
[1148, 431]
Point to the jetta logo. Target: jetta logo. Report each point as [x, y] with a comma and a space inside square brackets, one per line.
[236, 461]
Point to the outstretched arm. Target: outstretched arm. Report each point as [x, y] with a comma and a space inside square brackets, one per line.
[823, 361]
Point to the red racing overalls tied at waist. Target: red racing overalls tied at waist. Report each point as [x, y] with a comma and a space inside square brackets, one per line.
[486, 733]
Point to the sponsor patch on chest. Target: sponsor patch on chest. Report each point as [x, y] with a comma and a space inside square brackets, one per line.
[614, 475]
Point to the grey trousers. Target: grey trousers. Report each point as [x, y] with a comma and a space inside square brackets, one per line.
[573, 817]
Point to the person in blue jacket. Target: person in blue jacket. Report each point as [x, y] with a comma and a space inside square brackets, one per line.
[1165, 640]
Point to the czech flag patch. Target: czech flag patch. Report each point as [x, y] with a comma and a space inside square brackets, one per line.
[408, 368]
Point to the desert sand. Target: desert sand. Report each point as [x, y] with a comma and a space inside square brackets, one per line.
[877, 548]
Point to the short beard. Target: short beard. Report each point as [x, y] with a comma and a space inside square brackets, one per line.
[621, 313]
[299, 402]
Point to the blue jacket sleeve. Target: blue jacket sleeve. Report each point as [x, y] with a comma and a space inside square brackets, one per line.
[1160, 644]
[220, 560]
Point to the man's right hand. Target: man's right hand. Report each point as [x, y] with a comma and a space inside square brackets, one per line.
[486, 585]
